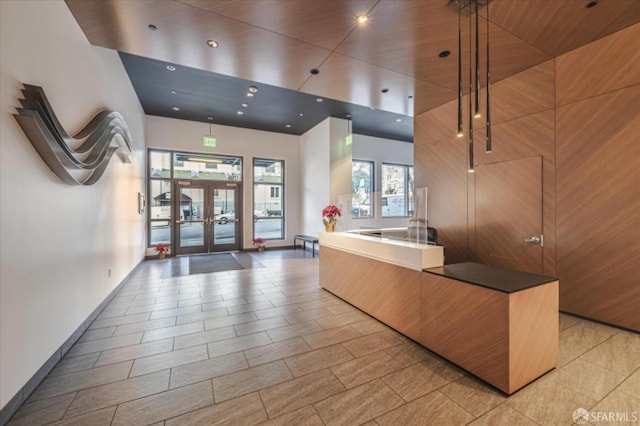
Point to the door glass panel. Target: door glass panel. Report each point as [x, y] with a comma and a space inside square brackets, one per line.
[160, 211]
[191, 217]
[224, 207]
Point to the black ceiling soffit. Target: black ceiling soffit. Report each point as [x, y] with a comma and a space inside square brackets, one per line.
[202, 94]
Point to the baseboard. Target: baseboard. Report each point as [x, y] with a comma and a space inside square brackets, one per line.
[19, 398]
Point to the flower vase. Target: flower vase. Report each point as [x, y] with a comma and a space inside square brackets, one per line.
[260, 249]
[161, 255]
[330, 225]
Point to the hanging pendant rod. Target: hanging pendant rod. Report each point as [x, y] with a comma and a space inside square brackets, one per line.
[477, 95]
[488, 113]
[460, 131]
[470, 102]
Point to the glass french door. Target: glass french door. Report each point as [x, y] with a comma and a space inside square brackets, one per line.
[208, 217]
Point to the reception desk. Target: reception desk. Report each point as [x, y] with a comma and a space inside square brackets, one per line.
[378, 275]
[499, 325]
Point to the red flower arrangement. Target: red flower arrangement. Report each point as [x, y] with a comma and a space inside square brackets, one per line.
[330, 212]
[162, 248]
[259, 242]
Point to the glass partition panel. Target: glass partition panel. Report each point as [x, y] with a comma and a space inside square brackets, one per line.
[361, 188]
[268, 198]
[159, 212]
[207, 167]
[267, 171]
[159, 164]
[394, 196]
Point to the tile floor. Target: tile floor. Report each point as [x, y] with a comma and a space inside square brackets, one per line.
[268, 345]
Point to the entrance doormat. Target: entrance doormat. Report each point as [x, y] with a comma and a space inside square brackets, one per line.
[205, 264]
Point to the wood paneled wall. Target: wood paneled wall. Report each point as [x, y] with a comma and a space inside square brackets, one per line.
[581, 113]
[598, 179]
[523, 126]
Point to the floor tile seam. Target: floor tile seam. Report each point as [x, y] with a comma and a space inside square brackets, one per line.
[55, 395]
[355, 387]
[619, 332]
[132, 359]
[636, 371]
[506, 403]
[596, 365]
[626, 393]
[100, 338]
[580, 357]
[82, 413]
[173, 336]
[59, 376]
[63, 418]
[44, 408]
[454, 402]
[345, 389]
[510, 402]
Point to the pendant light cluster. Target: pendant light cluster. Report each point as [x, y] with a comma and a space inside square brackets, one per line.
[469, 8]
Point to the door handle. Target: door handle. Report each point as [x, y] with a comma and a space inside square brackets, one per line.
[535, 240]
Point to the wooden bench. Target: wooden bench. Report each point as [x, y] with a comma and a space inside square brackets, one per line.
[306, 239]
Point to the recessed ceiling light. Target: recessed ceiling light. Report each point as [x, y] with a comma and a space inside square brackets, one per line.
[250, 95]
[253, 89]
[240, 112]
[591, 4]
[348, 116]
[173, 92]
[288, 125]
[398, 120]
[171, 68]
[176, 109]
[384, 90]
[209, 118]
[301, 114]
[362, 19]
[212, 43]
[319, 99]
[410, 97]
[152, 27]
[444, 53]
[314, 71]
[244, 105]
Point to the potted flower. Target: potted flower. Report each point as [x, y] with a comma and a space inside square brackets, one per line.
[259, 242]
[329, 215]
[162, 250]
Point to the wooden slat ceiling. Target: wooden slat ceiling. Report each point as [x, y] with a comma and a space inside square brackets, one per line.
[277, 42]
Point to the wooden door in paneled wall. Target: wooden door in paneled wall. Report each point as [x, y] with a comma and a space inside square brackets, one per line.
[508, 211]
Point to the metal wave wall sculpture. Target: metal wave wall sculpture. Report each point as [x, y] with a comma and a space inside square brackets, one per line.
[80, 159]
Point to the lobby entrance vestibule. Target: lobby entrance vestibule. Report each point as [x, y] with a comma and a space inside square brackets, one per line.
[195, 202]
[210, 221]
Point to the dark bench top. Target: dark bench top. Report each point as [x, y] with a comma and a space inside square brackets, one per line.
[306, 238]
[491, 277]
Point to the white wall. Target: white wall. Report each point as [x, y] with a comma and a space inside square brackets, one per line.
[340, 166]
[59, 242]
[172, 134]
[380, 151]
[314, 177]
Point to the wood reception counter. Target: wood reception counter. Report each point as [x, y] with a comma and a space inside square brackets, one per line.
[499, 325]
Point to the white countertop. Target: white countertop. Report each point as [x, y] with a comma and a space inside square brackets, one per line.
[397, 252]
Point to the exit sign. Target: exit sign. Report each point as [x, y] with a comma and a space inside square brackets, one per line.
[348, 140]
[209, 141]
